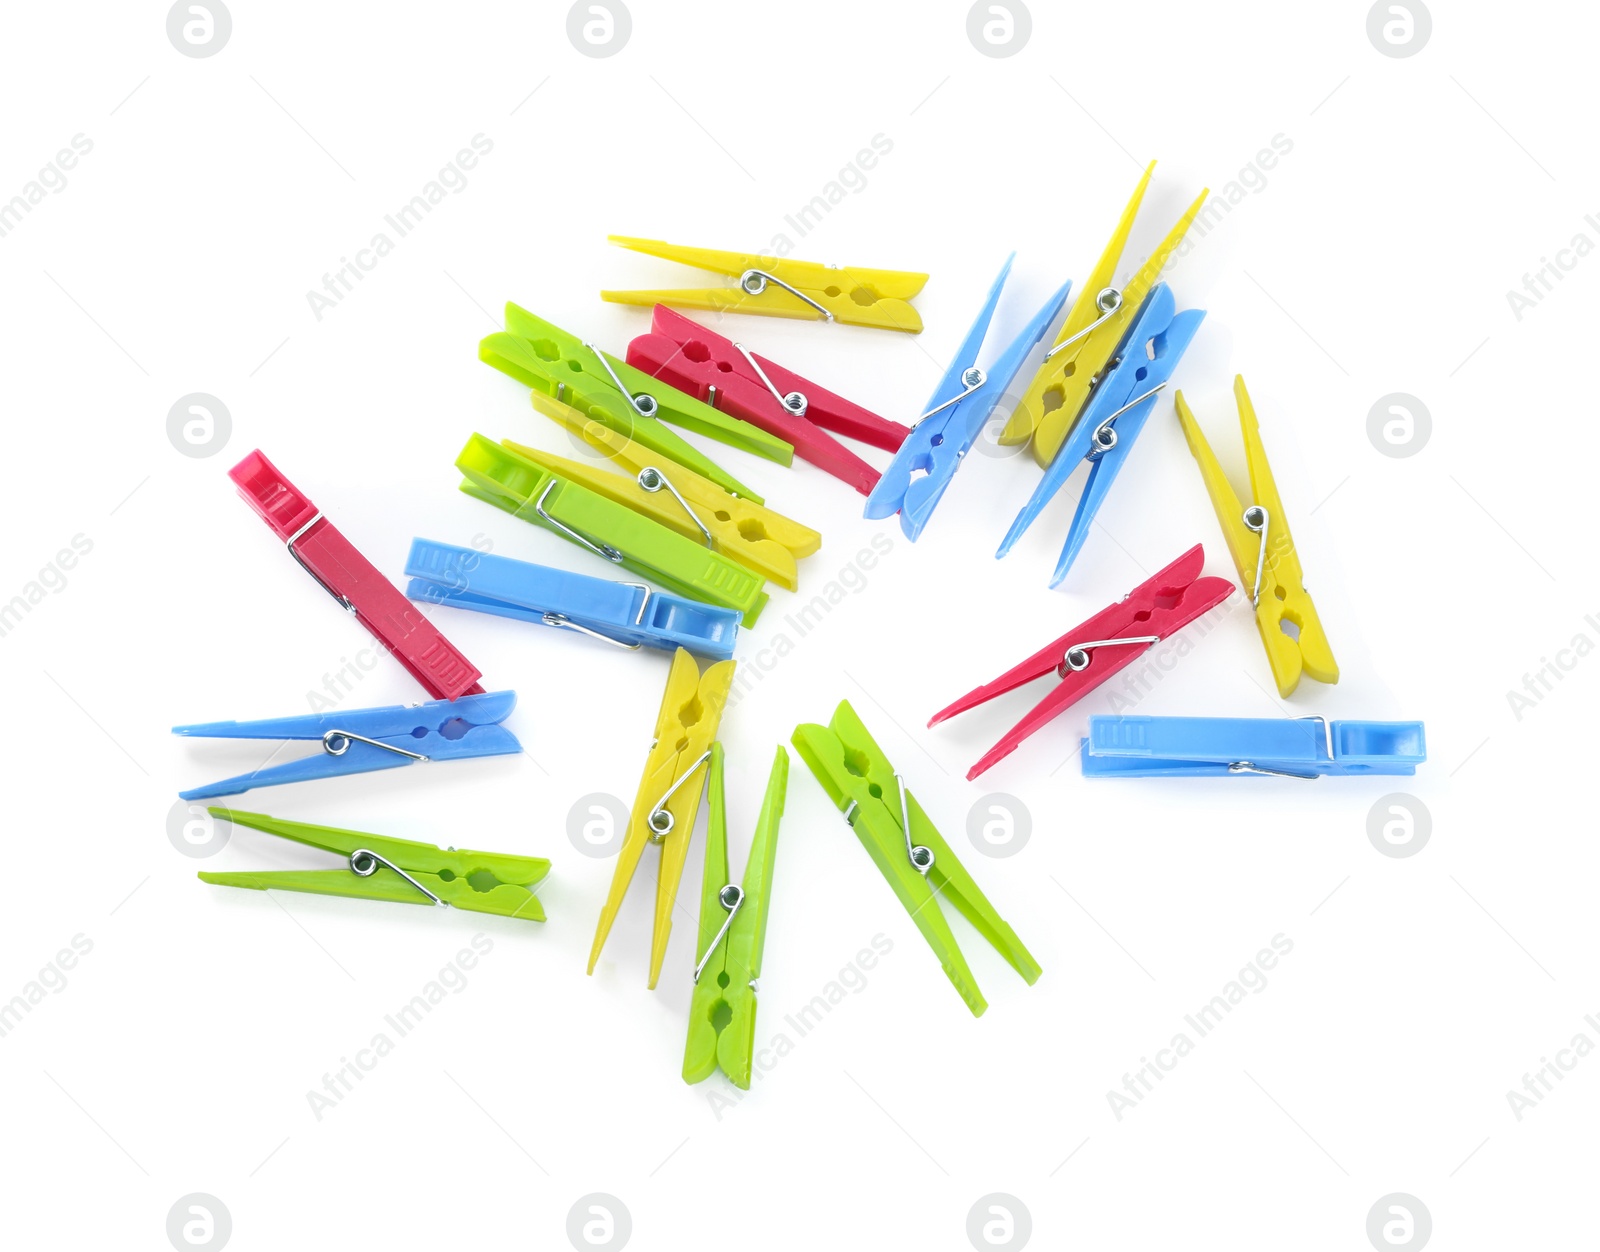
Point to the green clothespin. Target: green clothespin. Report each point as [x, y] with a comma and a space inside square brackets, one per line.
[597, 384]
[400, 870]
[498, 476]
[733, 930]
[920, 865]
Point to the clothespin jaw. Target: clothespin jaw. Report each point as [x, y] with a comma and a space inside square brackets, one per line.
[1099, 319]
[761, 539]
[1268, 565]
[918, 865]
[733, 927]
[739, 381]
[1088, 655]
[499, 476]
[1112, 420]
[402, 871]
[625, 615]
[353, 581]
[923, 468]
[358, 741]
[669, 795]
[554, 362]
[781, 288]
[1202, 747]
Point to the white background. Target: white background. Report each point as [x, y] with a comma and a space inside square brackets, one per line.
[1375, 259]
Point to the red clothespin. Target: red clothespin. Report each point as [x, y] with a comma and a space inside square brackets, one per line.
[728, 376]
[354, 581]
[1089, 654]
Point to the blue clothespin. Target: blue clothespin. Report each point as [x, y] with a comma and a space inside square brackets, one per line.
[626, 615]
[1112, 419]
[362, 740]
[961, 404]
[1202, 747]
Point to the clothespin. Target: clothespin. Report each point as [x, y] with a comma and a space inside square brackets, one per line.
[498, 476]
[625, 615]
[1090, 335]
[556, 363]
[962, 402]
[354, 582]
[908, 851]
[758, 538]
[779, 288]
[736, 380]
[404, 871]
[1204, 747]
[1263, 552]
[669, 795]
[733, 932]
[359, 741]
[1116, 413]
[1087, 655]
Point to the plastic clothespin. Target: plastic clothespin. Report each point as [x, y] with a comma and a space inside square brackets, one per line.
[779, 288]
[962, 402]
[758, 538]
[1087, 655]
[1116, 413]
[669, 795]
[556, 363]
[908, 851]
[738, 381]
[1204, 747]
[403, 871]
[354, 582]
[625, 615]
[498, 476]
[1263, 552]
[1090, 335]
[359, 741]
[733, 932]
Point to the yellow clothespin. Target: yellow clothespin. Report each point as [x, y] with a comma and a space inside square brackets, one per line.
[1263, 552]
[669, 795]
[778, 288]
[1100, 316]
[763, 541]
